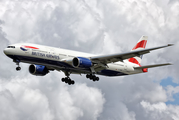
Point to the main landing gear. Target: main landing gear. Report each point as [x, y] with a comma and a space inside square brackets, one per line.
[18, 68]
[68, 81]
[92, 77]
[72, 82]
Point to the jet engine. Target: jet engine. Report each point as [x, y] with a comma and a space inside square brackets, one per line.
[81, 62]
[38, 70]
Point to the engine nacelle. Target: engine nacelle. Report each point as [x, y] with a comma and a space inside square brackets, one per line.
[38, 70]
[81, 62]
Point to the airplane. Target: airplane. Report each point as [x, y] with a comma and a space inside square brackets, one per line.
[44, 59]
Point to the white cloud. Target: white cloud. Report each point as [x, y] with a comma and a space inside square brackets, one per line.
[35, 99]
[95, 26]
[171, 91]
[23, 102]
[160, 111]
[159, 106]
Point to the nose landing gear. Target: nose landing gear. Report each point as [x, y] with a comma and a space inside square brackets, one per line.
[18, 68]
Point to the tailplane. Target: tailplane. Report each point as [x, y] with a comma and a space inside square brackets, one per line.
[152, 66]
[145, 68]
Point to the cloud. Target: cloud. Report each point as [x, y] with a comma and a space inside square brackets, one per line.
[160, 111]
[171, 91]
[21, 102]
[100, 27]
[35, 99]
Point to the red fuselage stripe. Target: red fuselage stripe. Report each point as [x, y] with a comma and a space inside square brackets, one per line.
[31, 47]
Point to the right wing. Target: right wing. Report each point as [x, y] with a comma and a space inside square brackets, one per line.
[105, 59]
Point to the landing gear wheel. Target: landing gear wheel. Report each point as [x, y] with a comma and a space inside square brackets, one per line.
[87, 76]
[92, 77]
[72, 82]
[63, 79]
[18, 68]
[68, 81]
[97, 78]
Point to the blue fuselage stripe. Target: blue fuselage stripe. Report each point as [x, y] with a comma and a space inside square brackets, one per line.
[62, 65]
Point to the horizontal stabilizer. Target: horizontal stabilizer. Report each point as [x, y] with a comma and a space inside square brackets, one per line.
[151, 66]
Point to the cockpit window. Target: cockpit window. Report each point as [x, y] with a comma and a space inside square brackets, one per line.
[10, 46]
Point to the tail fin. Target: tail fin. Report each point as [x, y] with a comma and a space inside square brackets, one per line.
[140, 45]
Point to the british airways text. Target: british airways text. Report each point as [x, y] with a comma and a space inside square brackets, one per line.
[45, 55]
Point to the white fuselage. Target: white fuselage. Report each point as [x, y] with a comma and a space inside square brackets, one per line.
[60, 59]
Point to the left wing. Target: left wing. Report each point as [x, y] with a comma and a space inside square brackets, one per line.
[105, 59]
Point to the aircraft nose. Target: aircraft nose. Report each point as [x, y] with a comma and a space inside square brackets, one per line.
[5, 51]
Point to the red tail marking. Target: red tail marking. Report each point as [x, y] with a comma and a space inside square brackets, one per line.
[141, 44]
[31, 47]
[133, 60]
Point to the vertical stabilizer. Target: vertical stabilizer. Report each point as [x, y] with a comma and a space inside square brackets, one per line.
[141, 44]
